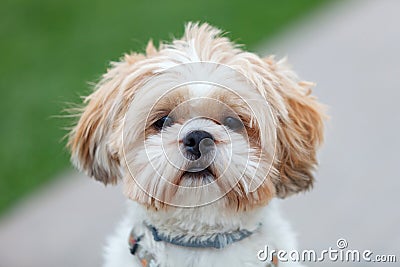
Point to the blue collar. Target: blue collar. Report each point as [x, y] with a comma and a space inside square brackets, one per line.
[218, 240]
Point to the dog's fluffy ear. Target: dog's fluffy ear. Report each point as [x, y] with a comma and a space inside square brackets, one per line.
[93, 148]
[299, 132]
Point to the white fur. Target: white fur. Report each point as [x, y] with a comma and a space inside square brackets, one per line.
[274, 232]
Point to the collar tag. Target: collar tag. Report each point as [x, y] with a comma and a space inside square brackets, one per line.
[145, 258]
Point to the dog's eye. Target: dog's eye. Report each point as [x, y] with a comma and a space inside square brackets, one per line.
[165, 121]
[233, 123]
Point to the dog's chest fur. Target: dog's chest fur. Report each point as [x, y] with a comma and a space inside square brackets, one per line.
[274, 233]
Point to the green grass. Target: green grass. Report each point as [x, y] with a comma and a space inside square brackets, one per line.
[50, 49]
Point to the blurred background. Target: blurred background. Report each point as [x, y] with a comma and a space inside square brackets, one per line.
[51, 50]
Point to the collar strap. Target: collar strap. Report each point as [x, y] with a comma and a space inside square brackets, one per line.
[218, 240]
[148, 259]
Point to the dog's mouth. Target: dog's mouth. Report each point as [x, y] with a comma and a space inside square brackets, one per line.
[204, 175]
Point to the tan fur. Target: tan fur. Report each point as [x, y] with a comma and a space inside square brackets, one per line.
[89, 141]
[299, 134]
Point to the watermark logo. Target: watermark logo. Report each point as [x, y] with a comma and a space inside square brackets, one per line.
[340, 253]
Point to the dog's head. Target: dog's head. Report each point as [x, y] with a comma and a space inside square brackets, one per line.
[198, 121]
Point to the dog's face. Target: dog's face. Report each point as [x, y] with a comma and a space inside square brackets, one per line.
[200, 121]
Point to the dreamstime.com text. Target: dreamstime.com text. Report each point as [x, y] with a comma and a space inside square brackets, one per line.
[339, 254]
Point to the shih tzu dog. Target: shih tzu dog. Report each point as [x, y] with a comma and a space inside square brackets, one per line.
[203, 135]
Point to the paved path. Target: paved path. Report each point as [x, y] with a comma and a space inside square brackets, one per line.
[352, 51]
[64, 225]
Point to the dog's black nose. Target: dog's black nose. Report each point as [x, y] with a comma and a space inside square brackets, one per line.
[198, 141]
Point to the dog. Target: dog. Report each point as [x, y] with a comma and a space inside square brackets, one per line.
[205, 137]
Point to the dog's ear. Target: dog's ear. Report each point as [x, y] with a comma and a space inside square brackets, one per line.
[94, 149]
[299, 132]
